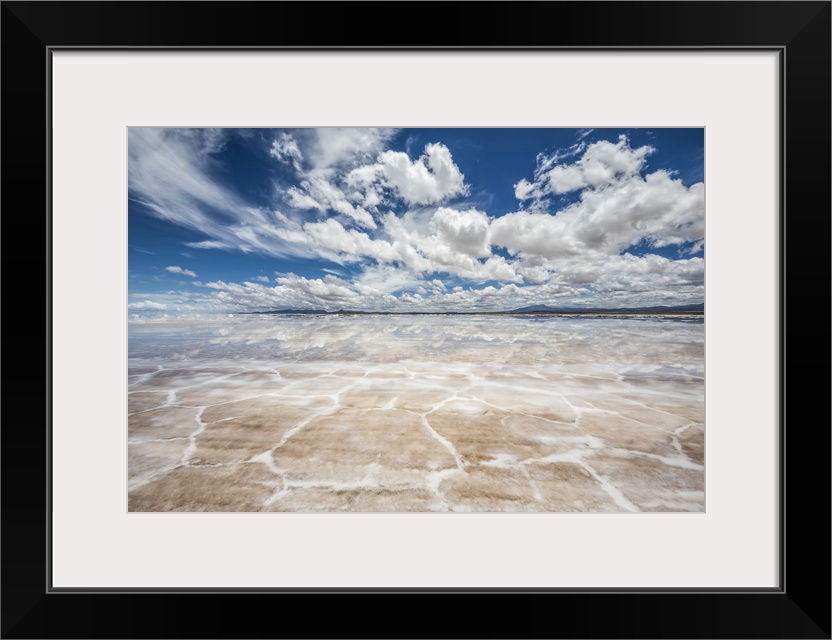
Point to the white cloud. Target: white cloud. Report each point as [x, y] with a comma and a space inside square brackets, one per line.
[463, 231]
[261, 278]
[657, 209]
[332, 146]
[446, 241]
[335, 182]
[353, 177]
[621, 281]
[319, 192]
[285, 149]
[329, 289]
[352, 244]
[208, 244]
[147, 304]
[431, 178]
[181, 271]
[296, 292]
[602, 163]
[171, 173]
[209, 141]
[388, 279]
[301, 200]
[618, 208]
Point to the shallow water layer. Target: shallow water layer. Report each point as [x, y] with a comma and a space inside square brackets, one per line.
[417, 413]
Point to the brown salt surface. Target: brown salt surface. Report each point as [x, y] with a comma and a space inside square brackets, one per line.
[314, 499]
[370, 395]
[324, 385]
[193, 488]
[231, 388]
[346, 372]
[642, 480]
[304, 371]
[169, 422]
[178, 378]
[357, 500]
[344, 446]
[134, 371]
[692, 410]
[412, 395]
[692, 441]
[532, 437]
[477, 436]
[480, 433]
[421, 399]
[382, 500]
[625, 433]
[489, 489]
[280, 409]
[144, 400]
[388, 374]
[238, 439]
[638, 412]
[148, 459]
[527, 398]
[567, 486]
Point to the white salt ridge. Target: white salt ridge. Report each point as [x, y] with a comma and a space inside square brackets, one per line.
[191, 449]
[444, 442]
[614, 492]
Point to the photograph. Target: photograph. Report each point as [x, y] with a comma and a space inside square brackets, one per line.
[431, 320]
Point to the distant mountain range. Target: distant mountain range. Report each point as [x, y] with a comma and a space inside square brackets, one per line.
[689, 309]
[686, 308]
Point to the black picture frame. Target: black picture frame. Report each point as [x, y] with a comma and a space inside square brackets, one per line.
[798, 608]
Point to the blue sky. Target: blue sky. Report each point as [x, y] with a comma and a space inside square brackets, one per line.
[235, 220]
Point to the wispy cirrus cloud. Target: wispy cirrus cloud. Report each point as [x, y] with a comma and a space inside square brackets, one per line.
[181, 271]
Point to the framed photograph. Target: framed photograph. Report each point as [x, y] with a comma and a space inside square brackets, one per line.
[394, 348]
[498, 315]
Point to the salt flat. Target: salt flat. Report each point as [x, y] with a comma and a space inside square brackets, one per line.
[417, 413]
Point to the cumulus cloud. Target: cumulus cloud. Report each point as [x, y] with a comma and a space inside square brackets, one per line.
[431, 178]
[465, 232]
[181, 271]
[351, 244]
[452, 242]
[342, 182]
[388, 279]
[602, 163]
[618, 207]
[658, 210]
